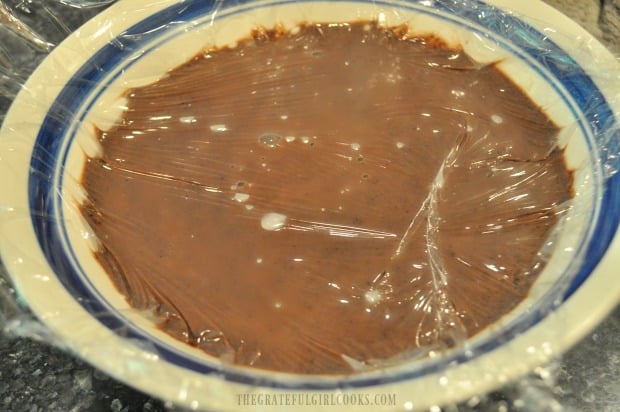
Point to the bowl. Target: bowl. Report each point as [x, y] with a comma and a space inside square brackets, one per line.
[48, 249]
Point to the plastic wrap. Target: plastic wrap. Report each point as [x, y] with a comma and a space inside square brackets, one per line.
[313, 204]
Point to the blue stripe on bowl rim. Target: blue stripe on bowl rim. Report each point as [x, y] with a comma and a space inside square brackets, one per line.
[50, 151]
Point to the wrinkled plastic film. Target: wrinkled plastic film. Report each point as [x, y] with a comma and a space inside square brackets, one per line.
[257, 207]
[28, 32]
[273, 196]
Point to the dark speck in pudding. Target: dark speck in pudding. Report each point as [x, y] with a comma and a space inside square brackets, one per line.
[333, 198]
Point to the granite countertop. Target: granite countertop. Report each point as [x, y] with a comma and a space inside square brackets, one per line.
[35, 376]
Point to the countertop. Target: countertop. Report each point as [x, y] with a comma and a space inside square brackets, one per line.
[35, 376]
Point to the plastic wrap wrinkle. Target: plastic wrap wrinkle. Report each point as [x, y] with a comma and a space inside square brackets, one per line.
[336, 187]
[8, 19]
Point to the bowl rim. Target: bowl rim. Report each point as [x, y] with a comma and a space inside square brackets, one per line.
[588, 319]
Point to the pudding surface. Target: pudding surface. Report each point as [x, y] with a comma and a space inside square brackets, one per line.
[326, 200]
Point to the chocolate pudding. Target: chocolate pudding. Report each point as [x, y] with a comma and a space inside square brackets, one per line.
[329, 199]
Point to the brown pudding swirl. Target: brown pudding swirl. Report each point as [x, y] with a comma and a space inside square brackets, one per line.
[336, 197]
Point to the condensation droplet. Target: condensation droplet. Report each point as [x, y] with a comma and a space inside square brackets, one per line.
[241, 197]
[187, 119]
[273, 221]
[237, 185]
[218, 128]
[373, 296]
[269, 139]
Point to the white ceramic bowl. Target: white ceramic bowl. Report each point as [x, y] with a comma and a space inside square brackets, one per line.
[47, 248]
